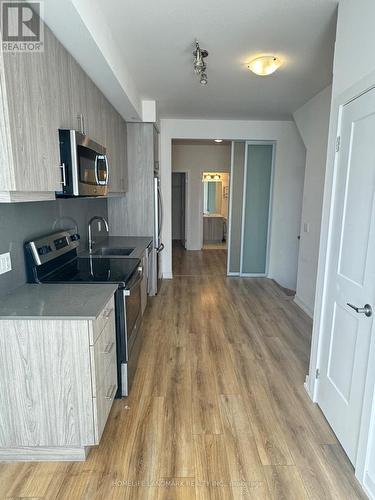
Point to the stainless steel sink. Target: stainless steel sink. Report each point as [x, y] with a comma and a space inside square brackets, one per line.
[113, 252]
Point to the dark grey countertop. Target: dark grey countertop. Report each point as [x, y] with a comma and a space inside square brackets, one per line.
[140, 243]
[56, 301]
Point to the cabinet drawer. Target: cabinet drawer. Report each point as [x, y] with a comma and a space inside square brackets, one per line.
[104, 374]
[103, 401]
[101, 321]
[103, 353]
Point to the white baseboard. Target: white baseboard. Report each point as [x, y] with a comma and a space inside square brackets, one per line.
[369, 486]
[306, 385]
[305, 308]
[168, 276]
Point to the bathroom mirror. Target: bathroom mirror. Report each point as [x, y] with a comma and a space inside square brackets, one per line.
[212, 197]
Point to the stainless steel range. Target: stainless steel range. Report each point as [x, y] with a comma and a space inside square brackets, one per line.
[54, 259]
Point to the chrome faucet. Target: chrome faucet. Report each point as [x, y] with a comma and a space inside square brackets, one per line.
[93, 219]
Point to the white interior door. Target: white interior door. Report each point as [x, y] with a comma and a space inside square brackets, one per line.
[351, 276]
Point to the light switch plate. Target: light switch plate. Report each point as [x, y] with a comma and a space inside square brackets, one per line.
[5, 263]
[306, 227]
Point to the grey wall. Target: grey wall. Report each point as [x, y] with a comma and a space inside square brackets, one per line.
[20, 222]
[312, 120]
[178, 206]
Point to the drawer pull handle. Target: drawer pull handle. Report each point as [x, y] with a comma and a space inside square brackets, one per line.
[108, 315]
[111, 392]
[109, 348]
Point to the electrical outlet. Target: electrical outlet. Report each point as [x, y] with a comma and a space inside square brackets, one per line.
[5, 263]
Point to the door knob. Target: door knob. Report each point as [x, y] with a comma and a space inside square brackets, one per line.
[366, 309]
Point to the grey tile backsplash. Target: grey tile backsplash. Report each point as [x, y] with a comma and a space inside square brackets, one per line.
[20, 222]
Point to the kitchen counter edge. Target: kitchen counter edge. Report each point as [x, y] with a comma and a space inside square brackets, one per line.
[56, 301]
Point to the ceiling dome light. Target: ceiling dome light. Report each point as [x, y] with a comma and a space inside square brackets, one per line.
[218, 140]
[264, 65]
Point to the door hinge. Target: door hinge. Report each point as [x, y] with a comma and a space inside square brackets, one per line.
[317, 373]
[338, 142]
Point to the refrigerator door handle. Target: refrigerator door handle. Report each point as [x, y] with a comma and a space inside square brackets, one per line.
[156, 213]
[161, 211]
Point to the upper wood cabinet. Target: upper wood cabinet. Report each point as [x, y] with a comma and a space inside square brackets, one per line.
[94, 118]
[40, 93]
[123, 131]
[137, 207]
[27, 123]
[76, 81]
[115, 142]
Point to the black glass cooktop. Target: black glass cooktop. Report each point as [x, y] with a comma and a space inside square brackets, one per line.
[94, 270]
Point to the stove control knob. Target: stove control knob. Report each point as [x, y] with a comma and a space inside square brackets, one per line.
[44, 250]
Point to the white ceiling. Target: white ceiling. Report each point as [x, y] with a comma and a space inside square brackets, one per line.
[156, 40]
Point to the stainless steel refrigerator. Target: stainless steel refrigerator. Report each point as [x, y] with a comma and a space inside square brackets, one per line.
[158, 225]
[140, 211]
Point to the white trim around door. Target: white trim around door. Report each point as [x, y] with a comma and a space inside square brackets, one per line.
[230, 209]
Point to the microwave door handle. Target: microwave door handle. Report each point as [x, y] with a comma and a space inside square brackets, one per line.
[63, 170]
[96, 170]
[98, 181]
[105, 158]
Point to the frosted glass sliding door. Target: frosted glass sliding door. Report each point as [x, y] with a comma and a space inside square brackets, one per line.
[256, 208]
[236, 197]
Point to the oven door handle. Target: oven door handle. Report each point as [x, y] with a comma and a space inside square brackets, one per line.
[135, 281]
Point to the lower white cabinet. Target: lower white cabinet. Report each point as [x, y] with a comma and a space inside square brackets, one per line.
[213, 229]
[58, 379]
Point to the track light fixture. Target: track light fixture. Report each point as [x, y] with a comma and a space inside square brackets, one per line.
[199, 63]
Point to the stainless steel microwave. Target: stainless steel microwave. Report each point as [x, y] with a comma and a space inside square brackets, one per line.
[84, 165]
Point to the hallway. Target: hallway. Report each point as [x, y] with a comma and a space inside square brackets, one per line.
[218, 406]
[198, 262]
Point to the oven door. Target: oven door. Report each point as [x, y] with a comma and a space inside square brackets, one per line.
[133, 310]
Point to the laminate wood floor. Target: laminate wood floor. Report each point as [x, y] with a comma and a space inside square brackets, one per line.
[215, 246]
[211, 262]
[217, 409]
